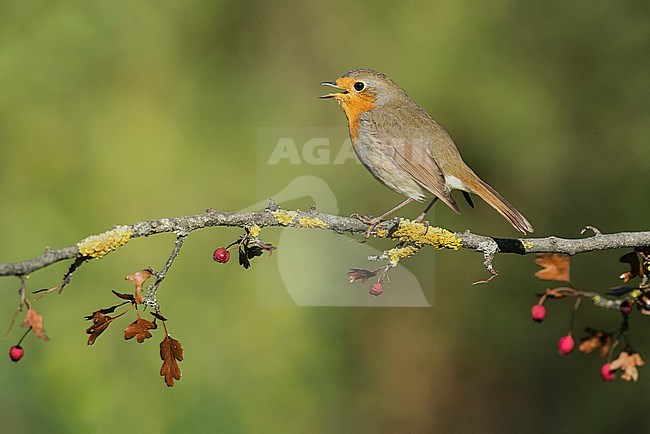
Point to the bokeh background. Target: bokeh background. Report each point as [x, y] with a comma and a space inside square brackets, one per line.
[116, 112]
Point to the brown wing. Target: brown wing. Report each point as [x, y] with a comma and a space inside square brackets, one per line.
[404, 127]
[416, 159]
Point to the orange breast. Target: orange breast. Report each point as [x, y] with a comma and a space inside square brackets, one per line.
[354, 105]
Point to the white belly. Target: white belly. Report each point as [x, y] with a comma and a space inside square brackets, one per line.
[455, 184]
[384, 168]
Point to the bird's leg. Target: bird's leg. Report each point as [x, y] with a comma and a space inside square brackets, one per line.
[373, 222]
[424, 213]
[426, 210]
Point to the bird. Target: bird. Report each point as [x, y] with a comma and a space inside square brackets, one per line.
[406, 150]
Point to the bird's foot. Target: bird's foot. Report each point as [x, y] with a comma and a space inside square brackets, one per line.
[420, 219]
[372, 223]
[364, 218]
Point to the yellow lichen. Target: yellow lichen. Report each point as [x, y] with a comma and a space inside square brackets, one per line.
[381, 233]
[527, 244]
[312, 222]
[285, 218]
[419, 234]
[98, 246]
[595, 299]
[254, 231]
[397, 253]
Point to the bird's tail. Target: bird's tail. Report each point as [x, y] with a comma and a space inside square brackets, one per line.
[492, 197]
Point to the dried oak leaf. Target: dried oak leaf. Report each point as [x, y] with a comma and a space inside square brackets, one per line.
[35, 321]
[138, 279]
[555, 267]
[139, 329]
[171, 352]
[100, 324]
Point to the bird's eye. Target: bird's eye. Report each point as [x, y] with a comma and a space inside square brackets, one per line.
[359, 86]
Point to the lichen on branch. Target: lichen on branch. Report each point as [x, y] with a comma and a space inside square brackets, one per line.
[100, 245]
[97, 246]
[421, 235]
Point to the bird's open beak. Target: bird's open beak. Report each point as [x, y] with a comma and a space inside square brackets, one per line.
[335, 94]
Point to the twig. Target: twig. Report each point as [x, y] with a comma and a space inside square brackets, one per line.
[312, 219]
[21, 291]
[150, 300]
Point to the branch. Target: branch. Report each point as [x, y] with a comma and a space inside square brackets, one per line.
[406, 237]
[96, 246]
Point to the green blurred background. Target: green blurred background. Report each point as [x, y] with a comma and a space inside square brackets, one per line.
[115, 112]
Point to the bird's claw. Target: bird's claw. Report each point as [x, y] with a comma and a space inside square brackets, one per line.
[363, 218]
[372, 223]
[420, 219]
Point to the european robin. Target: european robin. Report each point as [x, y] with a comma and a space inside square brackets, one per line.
[406, 150]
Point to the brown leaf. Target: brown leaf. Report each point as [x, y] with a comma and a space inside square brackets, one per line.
[171, 353]
[607, 344]
[628, 361]
[124, 296]
[596, 339]
[559, 292]
[100, 324]
[265, 246]
[244, 261]
[360, 273]
[555, 267]
[636, 269]
[139, 329]
[104, 311]
[138, 279]
[159, 316]
[589, 344]
[35, 321]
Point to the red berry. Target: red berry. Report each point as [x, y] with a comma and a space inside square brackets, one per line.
[376, 289]
[221, 255]
[607, 373]
[565, 344]
[16, 353]
[626, 307]
[538, 312]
